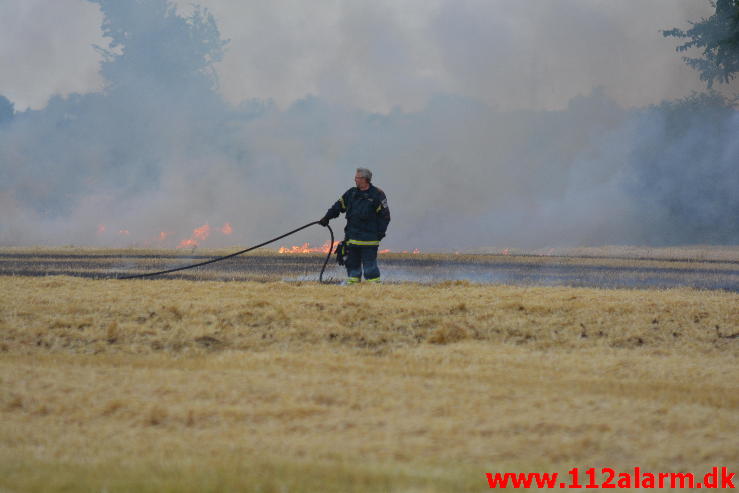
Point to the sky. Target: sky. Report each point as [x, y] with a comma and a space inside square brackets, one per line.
[383, 54]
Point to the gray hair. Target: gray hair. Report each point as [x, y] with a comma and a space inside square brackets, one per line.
[365, 173]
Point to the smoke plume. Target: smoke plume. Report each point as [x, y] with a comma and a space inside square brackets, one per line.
[159, 151]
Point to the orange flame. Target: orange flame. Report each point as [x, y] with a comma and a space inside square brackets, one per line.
[306, 248]
[198, 234]
[101, 228]
[202, 232]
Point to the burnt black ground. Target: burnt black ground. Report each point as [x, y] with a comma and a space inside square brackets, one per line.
[606, 272]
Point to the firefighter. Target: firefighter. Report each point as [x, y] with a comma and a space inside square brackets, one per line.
[367, 217]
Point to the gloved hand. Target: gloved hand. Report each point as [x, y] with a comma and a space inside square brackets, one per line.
[324, 221]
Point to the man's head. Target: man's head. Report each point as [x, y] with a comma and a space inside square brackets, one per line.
[362, 178]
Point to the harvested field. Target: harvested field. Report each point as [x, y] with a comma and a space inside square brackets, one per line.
[174, 385]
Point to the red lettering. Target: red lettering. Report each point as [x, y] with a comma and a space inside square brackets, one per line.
[574, 472]
[716, 478]
[592, 484]
[662, 477]
[683, 477]
[521, 480]
[648, 481]
[610, 474]
[624, 480]
[710, 480]
[727, 480]
[498, 479]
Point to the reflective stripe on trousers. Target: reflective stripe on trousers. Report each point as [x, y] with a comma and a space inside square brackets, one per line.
[363, 243]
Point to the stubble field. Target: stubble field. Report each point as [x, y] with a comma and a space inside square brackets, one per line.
[178, 385]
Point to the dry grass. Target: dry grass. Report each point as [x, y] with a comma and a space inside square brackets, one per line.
[191, 386]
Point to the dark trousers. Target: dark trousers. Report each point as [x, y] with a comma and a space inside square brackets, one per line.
[362, 257]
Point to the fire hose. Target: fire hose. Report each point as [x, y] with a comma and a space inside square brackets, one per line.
[218, 259]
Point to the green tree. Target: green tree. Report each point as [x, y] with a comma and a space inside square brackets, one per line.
[718, 37]
[6, 109]
[151, 44]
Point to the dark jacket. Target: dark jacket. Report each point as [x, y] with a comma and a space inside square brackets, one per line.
[367, 215]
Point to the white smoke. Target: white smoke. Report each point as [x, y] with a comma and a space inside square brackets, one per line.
[161, 150]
